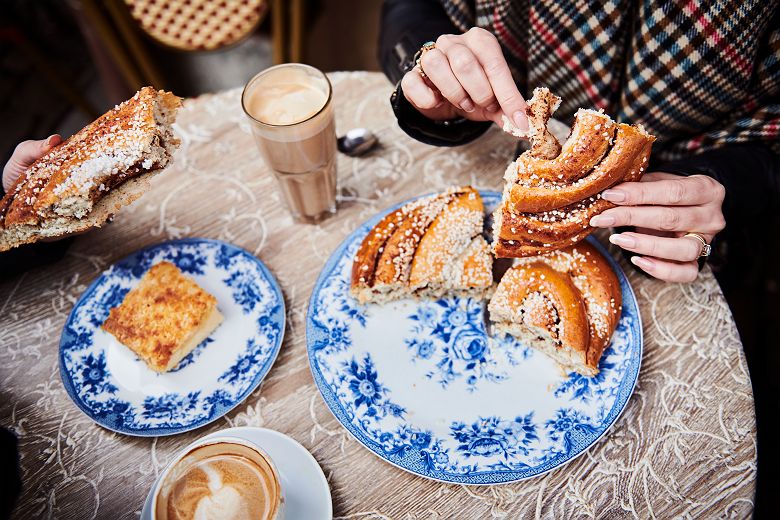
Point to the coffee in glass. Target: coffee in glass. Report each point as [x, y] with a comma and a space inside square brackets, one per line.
[290, 109]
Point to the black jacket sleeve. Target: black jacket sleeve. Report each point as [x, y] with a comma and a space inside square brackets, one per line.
[405, 25]
[9, 454]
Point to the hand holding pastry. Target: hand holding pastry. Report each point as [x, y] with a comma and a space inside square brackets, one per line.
[26, 153]
[665, 208]
[465, 75]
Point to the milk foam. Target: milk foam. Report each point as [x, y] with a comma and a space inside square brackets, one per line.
[286, 103]
[219, 482]
[225, 501]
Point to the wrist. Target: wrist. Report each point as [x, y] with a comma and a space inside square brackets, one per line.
[448, 132]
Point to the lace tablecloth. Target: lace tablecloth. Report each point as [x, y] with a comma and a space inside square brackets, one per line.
[685, 446]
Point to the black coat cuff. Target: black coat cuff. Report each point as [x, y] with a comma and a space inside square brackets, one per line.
[454, 132]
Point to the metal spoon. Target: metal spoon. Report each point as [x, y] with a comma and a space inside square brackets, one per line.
[357, 142]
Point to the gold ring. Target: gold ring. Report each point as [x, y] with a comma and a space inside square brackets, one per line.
[427, 46]
[706, 248]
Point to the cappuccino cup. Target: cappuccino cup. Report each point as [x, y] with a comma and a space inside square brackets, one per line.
[225, 478]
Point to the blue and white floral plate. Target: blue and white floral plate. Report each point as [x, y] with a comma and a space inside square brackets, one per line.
[423, 386]
[110, 384]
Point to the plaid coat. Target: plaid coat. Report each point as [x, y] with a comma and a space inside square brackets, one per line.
[696, 74]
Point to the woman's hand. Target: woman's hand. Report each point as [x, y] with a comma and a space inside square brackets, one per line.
[26, 153]
[663, 208]
[467, 76]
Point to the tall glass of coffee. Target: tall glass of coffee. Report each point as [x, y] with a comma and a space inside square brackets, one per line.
[291, 111]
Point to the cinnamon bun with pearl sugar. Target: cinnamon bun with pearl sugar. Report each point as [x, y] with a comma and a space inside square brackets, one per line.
[430, 247]
[553, 191]
[565, 304]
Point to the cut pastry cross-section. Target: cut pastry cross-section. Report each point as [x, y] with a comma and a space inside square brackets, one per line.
[566, 304]
[427, 248]
[83, 181]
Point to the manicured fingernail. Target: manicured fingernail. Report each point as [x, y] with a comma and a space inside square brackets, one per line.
[613, 195]
[622, 240]
[467, 105]
[602, 221]
[492, 107]
[50, 140]
[642, 262]
[521, 121]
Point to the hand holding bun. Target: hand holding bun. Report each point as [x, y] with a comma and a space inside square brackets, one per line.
[552, 192]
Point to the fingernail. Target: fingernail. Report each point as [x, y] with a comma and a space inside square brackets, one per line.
[602, 221]
[521, 121]
[467, 105]
[642, 262]
[493, 107]
[50, 140]
[622, 240]
[614, 195]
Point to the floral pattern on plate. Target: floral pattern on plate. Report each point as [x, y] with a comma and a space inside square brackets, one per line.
[117, 390]
[423, 386]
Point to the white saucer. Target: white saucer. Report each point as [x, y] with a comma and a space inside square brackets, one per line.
[306, 489]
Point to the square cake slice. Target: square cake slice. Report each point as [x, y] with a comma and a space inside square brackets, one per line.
[164, 318]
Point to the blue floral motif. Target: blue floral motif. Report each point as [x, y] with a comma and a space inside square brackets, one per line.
[245, 289]
[225, 255]
[188, 262]
[584, 388]
[170, 406]
[220, 397]
[422, 348]
[337, 334]
[246, 364]
[349, 305]
[120, 410]
[110, 298]
[565, 425]
[368, 394]
[267, 325]
[94, 375]
[490, 436]
[470, 345]
[137, 269]
[365, 388]
[450, 331]
[426, 314]
[80, 337]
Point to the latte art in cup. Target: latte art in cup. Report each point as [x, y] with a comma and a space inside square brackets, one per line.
[222, 479]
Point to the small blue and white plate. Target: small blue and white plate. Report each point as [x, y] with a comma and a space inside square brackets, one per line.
[110, 384]
[422, 385]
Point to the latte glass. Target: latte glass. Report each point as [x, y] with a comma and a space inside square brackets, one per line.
[225, 478]
[290, 109]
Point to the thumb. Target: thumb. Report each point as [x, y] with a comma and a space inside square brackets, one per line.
[26, 153]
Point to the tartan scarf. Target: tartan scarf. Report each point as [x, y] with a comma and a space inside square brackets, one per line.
[697, 75]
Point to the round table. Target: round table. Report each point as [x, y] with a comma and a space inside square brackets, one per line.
[685, 446]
